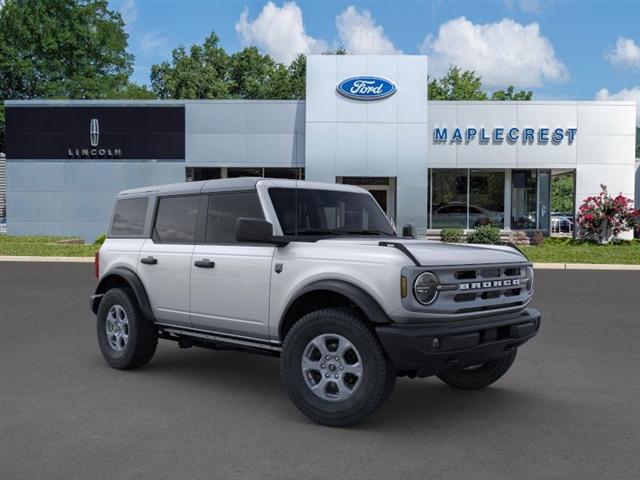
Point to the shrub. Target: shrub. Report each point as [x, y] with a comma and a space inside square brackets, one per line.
[518, 237]
[485, 234]
[451, 235]
[604, 217]
[100, 240]
[537, 238]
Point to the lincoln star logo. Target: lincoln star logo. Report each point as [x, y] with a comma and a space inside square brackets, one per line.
[492, 284]
[94, 132]
[105, 151]
[366, 88]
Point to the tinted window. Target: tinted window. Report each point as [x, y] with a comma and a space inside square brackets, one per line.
[328, 212]
[224, 209]
[129, 216]
[176, 219]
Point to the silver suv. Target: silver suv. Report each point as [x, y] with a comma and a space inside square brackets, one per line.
[315, 274]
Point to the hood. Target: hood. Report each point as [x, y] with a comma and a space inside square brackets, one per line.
[434, 253]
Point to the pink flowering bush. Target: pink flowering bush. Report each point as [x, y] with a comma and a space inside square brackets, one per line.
[604, 217]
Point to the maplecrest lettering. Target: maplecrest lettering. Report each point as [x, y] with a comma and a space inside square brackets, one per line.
[511, 135]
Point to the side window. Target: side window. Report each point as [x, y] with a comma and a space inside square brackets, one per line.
[224, 209]
[176, 219]
[128, 217]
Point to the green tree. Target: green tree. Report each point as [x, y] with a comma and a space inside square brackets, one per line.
[208, 72]
[298, 74]
[457, 85]
[562, 193]
[62, 49]
[199, 74]
[256, 76]
[510, 95]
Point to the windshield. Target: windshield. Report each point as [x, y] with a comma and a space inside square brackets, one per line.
[328, 212]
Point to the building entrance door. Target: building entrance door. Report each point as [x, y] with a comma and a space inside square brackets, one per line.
[381, 188]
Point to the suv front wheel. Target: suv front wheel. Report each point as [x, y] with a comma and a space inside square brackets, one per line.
[126, 338]
[479, 376]
[334, 369]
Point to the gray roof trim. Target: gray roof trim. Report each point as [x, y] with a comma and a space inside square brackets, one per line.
[204, 186]
[141, 103]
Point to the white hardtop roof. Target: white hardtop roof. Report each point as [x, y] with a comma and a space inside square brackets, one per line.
[231, 184]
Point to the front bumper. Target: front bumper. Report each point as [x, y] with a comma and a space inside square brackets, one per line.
[429, 349]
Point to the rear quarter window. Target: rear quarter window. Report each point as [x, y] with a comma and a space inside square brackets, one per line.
[129, 217]
[176, 219]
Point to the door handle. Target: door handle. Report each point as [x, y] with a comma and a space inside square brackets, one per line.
[205, 263]
[149, 260]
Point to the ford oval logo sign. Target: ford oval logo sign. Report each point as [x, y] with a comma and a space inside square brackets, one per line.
[366, 88]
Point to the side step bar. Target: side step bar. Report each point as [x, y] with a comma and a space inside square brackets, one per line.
[218, 338]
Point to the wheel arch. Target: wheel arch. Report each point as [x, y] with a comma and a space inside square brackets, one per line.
[330, 293]
[123, 277]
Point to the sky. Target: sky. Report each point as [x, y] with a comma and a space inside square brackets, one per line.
[561, 50]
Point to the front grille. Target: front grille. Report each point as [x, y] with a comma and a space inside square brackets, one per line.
[478, 288]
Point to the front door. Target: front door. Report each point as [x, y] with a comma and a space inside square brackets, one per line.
[381, 188]
[164, 262]
[230, 281]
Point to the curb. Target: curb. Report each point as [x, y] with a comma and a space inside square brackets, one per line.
[538, 266]
[584, 266]
[10, 258]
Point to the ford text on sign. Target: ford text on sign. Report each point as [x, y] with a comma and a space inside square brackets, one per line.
[366, 88]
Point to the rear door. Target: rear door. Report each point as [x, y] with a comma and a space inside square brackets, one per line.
[164, 262]
[230, 280]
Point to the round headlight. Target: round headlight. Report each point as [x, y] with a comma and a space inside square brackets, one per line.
[529, 279]
[425, 288]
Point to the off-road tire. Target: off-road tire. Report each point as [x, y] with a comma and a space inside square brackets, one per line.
[480, 377]
[142, 333]
[378, 377]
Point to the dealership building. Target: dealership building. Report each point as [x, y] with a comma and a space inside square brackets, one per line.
[366, 121]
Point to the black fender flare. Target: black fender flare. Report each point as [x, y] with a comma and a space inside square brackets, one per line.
[133, 281]
[365, 302]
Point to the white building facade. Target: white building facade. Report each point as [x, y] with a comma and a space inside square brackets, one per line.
[366, 120]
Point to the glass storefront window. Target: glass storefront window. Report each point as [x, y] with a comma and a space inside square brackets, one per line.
[544, 199]
[486, 198]
[449, 198]
[524, 191]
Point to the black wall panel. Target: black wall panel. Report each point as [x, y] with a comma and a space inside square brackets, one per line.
[51, 132]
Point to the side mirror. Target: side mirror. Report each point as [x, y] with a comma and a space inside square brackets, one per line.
[253, 230]
[408, 230]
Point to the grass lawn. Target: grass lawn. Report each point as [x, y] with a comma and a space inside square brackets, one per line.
[45, 247]
[556, 250]
[553, 250]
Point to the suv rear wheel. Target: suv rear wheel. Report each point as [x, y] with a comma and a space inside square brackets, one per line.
[334, 369]
[479, 376]
[126, 338]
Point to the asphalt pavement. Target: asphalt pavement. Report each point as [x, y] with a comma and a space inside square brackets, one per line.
[568, 409]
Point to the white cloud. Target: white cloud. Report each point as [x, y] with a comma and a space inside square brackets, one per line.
[632, 94]
[360, 34]
[129, 13]
[151, 41]
[529, 6]
[626, 53]
[278, 31]
[504, 53]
